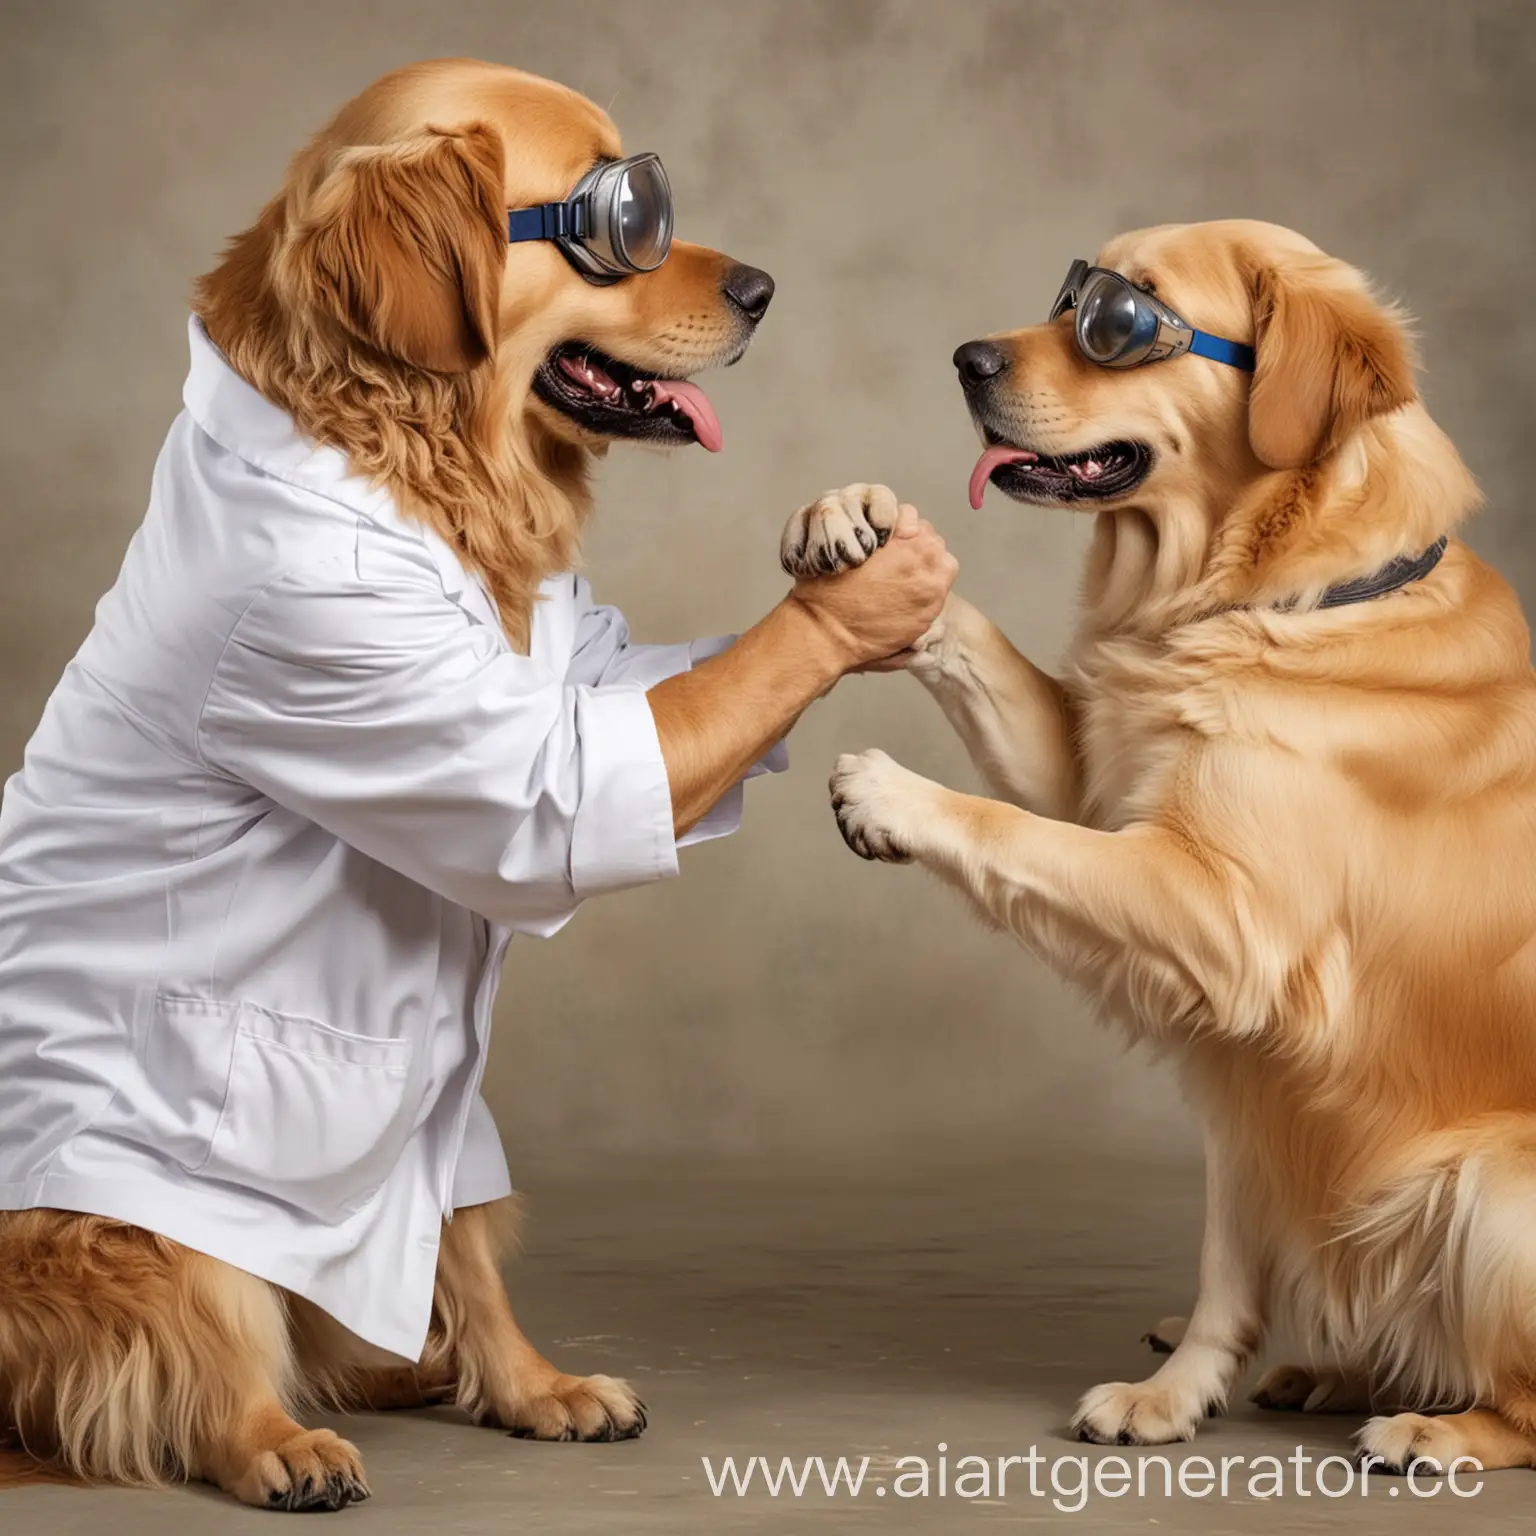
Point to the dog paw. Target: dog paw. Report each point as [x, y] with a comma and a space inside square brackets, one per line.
[316, 1470]
[838, 531]
[1167, 1336]
[872, 798]
[1136, 1413]
[1405, 1441]
[575, 1408]
[1295, 1388]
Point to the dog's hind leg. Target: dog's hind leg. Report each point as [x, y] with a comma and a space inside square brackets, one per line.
[128, 1358]
[502, 1379]
[1480, 1439]
[1223, 1332]
[1483, 1264]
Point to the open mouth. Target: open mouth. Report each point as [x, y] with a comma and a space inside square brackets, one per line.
[606, 396]
[1096, 474]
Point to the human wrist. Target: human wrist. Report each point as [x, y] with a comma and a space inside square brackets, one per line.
[822, 641]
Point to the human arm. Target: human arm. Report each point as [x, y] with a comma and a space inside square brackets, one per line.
[717, 719]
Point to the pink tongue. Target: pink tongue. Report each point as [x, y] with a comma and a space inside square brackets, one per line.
[694, 404]
[988, 462]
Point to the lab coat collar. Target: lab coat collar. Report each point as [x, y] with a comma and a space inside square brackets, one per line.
[251, 427]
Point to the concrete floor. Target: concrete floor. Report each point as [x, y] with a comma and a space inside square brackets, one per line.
[861, 1317]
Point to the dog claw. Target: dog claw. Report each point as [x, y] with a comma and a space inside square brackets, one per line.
[307, 1497]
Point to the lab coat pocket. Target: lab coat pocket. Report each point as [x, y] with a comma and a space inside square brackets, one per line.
[188, 1046]
[313, 1116]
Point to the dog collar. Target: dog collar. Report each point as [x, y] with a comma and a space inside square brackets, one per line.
[1394, 574]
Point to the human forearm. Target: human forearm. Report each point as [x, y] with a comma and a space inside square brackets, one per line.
[718, 719]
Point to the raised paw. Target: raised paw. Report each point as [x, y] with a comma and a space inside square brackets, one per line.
[1299, 1389]
[1136, 1413]
[577, 1408]
[875, 801]
[316, 1470]
[838, 531]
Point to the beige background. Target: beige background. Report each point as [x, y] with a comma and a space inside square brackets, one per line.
[913, 175]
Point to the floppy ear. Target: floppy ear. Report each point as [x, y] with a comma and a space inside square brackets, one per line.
[1329, 359]
[404, 244]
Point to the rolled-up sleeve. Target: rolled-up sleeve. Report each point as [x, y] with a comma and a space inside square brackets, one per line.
[602, 651]
[376, 710]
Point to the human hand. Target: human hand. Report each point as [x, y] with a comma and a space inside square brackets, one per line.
[871, 571]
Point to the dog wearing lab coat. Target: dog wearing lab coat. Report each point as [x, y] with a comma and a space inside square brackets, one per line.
[373, 301]
[1277, 817]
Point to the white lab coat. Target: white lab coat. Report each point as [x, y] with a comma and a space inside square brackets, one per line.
[258, 873]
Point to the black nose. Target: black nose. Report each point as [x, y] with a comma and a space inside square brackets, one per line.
[979, 361]
[749, 290]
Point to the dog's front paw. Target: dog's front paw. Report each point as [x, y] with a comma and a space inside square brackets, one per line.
[315, 1470]
[838, 531]
[573, 1408]
[873, 800]
[1136, 1413]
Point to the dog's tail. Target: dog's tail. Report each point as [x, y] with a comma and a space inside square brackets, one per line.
[17, 1469]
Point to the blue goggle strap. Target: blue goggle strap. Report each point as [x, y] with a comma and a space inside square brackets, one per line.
[547, 221]
[1233, 353]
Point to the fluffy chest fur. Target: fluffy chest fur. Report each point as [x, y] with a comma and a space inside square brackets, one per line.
[1131, 702]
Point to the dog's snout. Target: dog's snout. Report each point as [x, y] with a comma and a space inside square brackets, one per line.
[979, 361]
[750, 290]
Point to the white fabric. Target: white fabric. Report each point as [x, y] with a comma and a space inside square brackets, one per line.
[259, 870]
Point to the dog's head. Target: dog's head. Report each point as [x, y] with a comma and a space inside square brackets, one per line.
[1193, 447]
[379, 301]
[396, 235]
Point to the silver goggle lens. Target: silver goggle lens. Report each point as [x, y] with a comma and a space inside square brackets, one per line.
[1118, 325]
[628, 221]
[1107, 316]
[642, 214]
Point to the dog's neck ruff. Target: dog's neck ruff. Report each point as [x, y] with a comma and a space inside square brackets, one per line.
[1394, 574]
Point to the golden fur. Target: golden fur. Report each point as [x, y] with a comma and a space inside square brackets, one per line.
[127, 1358]
[1291, 846]
[377, 301]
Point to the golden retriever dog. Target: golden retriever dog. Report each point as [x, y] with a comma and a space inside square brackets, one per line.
[1285, 836]
[374, 300]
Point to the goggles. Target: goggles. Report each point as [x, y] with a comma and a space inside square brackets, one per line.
[1119, 326]
[617, 220]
